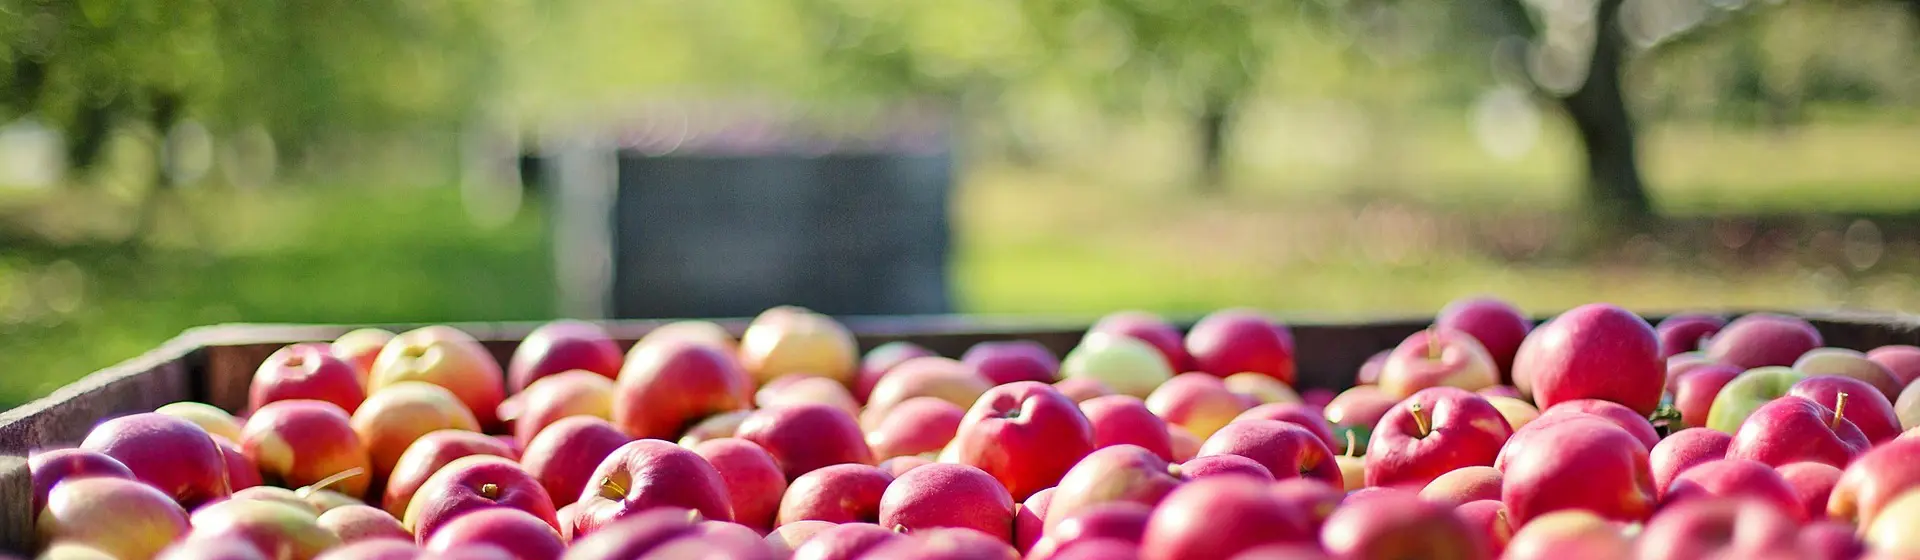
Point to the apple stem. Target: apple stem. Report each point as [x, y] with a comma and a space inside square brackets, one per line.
[1352, 443]
[490, 490]
[618, 490]
[1839, 408]
[309, 489]
[1420, 420]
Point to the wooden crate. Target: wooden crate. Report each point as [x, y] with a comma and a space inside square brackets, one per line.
[214, 364]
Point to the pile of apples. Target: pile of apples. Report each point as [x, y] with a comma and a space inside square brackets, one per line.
[1594, 435]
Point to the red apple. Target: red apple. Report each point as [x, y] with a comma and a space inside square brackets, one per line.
[288, 531]
[565, 454]
[1694, 391]
[714, 427]
[1003, 362]
[48, 468]
[806, 437]
[787, 340]
[1117, 473]
[361, 347]
[1431, 433]
[1151, 329]
[1125, 419]
[898, 465]
[944, 543]
[306, 371]
[1864, 407]
[917, 425]
[1462, 485]
[1792, 429]
[241, 472]
[1025, 434]
[846, 541]
[224, 547]
[1496, 324]
[669, 532]
[1735, 478]
[1489, 519]
[946, 379]
[376, 549]
[1261, 389]
[447, 357]
[1123, 521]
[943, 495]
[1717, 528]
[208, 417]
[1903, 361]
[1317, 499]
[301, 442]
[1083, 389]
[1568, 534]
[1400, 526]
[427, 456]
[882, 359]
[1763, 339]
[1030, 520]
[1581, 463]
[1683, 450]
[800, 388]
[556, 396]
[1812, 485]
[1613, 412]
[394, 417]
[118, 516]
[1285, 449]
[1298, 414]
[1831, 540]
[698, 332]
[647, 474]
[1437, 357]
[1231, 341]
[1852, 364]
[1219, 517]
[1594, 351]
[754, 482]
[473, 483]
[837, 494]
[1518, 413]
[1199, 402]
[559, 346]
[1222, 465]
[354, 523]
[519, 533]
[171, 454]
[796, 534]
[1874, 480]
[1359, 408]
[1686, 332]
[665, 387]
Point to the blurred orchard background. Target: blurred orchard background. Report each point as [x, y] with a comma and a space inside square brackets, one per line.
[173, 163]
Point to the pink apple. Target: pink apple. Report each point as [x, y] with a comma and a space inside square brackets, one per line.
[556, 396]
[1792, 429]
[306, 371]
[917, 425]
[799, 388]
[1863, 406]
[795, 535]
[1399, 526]
[1222, 465]
[1360, 407]
[1124, 419]
[1852, 364]
[1118, 473]
[1595, 351]
[943, 378]
[1496, 324]
[1287, 450]
[1261, 389]
[1582, 463]
[1438, 357]
[288, 531]
[1220, 517]
[1683, 450]
[806, 437]
[559, 346]
[1003, 362]
[1686, 332]
[1199, 402]
[943, 495]
[754, 482]
[301, 442]
[1717, 528]
[1568, 534]
[706, 333]
[208, 417]
[787, 340]
[1610, 411]
[360, 347]
[564, 456]
[1122, 521]
[447, 357]
[52, 467]
[1735, 478]
[519, 533]
[882, 359]
[1903, 361]
[1030, 520]
[118, 516]
[1695, 390]
[647, 474]
[1812, 485]
[1431, 433]
[1763, 339]
[394, 417]
[665, 387]
[1296, 413]
[1831, 540]
[1231, 341]
[171, 454]
[1875, 480]
[944, 543]
[1489, 519]
[1151, 329]
[354, 523]
[474, 483]
[837, 494]
[846, 541]
[1025, 434]
[1082, 389]
[721, 425]
[1462, 485]
[427, 456]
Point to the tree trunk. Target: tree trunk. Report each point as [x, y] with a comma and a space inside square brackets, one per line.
[1616, 196]
[1214, 118]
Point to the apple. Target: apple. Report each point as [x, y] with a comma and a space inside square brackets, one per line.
[946, 495]
[381, 549]
[846, 541]
[393, 417]
[563, 345]
[785, 340]
[1831, 540]
[1400, 526]
[705, 333]
[1792, 429]
[1516, 412]
[797, 388]
[1151, 329]
[1568, 534]
[649, 473]
[944, 543]
[473, 483]
[1123, 521]
[1118, 473]
[1232, 341]
[210, 418]
[1125, 419]
[1222, 465]
[447, 357]
[1030, 520]
[1583, 462]
[1850, 363]
[1285, 449]
[1082, 389]
[361, 347]
[917, 425]
[669, 532]
[241, 472]
[1812, 485]
[794, 535]
[1863, 406]
[1316, 499]
[666, 387]
[1199, 402]
[1220, 517]
[1431, 433]
[1720, 528]
[556, 396]
[204, 548]
[355, 523]
[1434, 358]
[1686, 332]
[515, 531]
[1892, 531]
[1369, 372]
[1901, 360]
[882, 359]
[946, 379]
[1123, 364]
[1613, 412]
[171, 454]
[806, 437]
[288, 531]
[275, 494]
[1683, 450]
[1695, 390]
[1295, 413]
[1741, 479]
[1872, 482]
[1488, 518]
[1496, 324]
[1003, 362]
[837, 494]
[901, 464]
[1746, 393]
[753, 480]
[1595, 351]
[1907, 407]
[306, 371]
[1462, 485]
[51, 467]
[1763, 339]
[714, 427]
[427, 456]
[300, 442]
[1262, 389]
[1185, 447]
[564, 455]
[1680, 364]
[118, 516]
[1359, 407]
